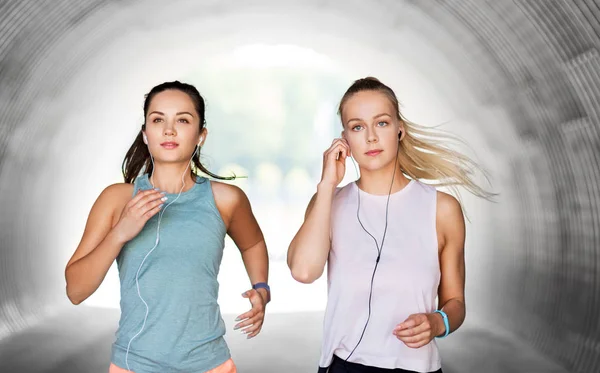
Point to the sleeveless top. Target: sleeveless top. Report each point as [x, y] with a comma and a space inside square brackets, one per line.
[406, 281]
[184, 329]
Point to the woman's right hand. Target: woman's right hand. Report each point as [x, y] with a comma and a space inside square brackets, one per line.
[144, 205]
[334, 162]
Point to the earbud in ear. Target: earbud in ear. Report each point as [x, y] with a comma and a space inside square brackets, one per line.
[145, 138]
[200, 141]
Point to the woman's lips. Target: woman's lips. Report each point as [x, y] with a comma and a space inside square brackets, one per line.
[169, 145]
[373, 153]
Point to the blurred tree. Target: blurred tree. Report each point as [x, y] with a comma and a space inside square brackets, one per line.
[268, 115]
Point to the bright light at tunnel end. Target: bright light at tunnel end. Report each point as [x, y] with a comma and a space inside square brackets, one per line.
[261, 56]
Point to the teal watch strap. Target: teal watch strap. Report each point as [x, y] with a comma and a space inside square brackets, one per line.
[446, 324]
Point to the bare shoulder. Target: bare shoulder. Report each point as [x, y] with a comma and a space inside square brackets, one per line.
[227, 194]
[450, 221]
[104, 215]
[118, 191]
[228, 198]
[115, 197]
[448, 208]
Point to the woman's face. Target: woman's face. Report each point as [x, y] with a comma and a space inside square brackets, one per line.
[371, 127]
[172, 126]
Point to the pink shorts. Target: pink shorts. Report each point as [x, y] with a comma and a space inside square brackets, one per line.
[226, 367]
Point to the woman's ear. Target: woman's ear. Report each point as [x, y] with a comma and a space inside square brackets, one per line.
[202, 137]
[401, 131]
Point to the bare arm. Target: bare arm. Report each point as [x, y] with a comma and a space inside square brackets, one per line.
[103, 238]
[242, 227]
[247, 236]
[451, 292]
[97, 249]
[309, 250]
[245, 232]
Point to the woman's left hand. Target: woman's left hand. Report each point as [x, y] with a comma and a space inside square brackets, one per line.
[252, 321]
[419, 329]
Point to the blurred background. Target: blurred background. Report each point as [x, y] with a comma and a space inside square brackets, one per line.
[518, 80]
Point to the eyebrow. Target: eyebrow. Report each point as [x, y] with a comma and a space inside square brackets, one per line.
[180, 113]
[375, 117]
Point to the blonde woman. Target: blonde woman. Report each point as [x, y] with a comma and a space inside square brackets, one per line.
[391, 242]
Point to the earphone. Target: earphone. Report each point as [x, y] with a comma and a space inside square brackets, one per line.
[379, 248]
[145, 139]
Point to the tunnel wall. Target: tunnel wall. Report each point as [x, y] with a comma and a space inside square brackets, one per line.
[537, 60]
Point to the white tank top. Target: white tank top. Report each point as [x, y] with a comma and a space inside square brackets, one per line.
[406, 281]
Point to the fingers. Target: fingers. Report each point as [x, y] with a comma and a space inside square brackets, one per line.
[417, 341]
[153, 211]
[412, 321]
[149, 197]
[415, 331]
[252, 325]
[150, 206]
[141, 194]
[338, 150]
[415, 324]
[251, 321]
[257, 302]
[410, 332]
[145, 204]
[253, 330]
[245, 316]
[344, 143]
[339, 139]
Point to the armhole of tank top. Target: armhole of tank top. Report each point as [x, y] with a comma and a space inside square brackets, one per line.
[212, 203]
[135, 187]
[117, 209]
[333, 204]
[435, 232]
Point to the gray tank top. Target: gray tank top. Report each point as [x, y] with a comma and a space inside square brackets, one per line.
[184, 329]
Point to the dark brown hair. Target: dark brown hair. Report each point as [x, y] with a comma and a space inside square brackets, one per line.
[138, 156]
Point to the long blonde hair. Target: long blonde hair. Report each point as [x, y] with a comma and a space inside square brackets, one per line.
[423, 154]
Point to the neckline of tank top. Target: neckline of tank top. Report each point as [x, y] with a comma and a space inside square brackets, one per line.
[202, 180]
[397, 193]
